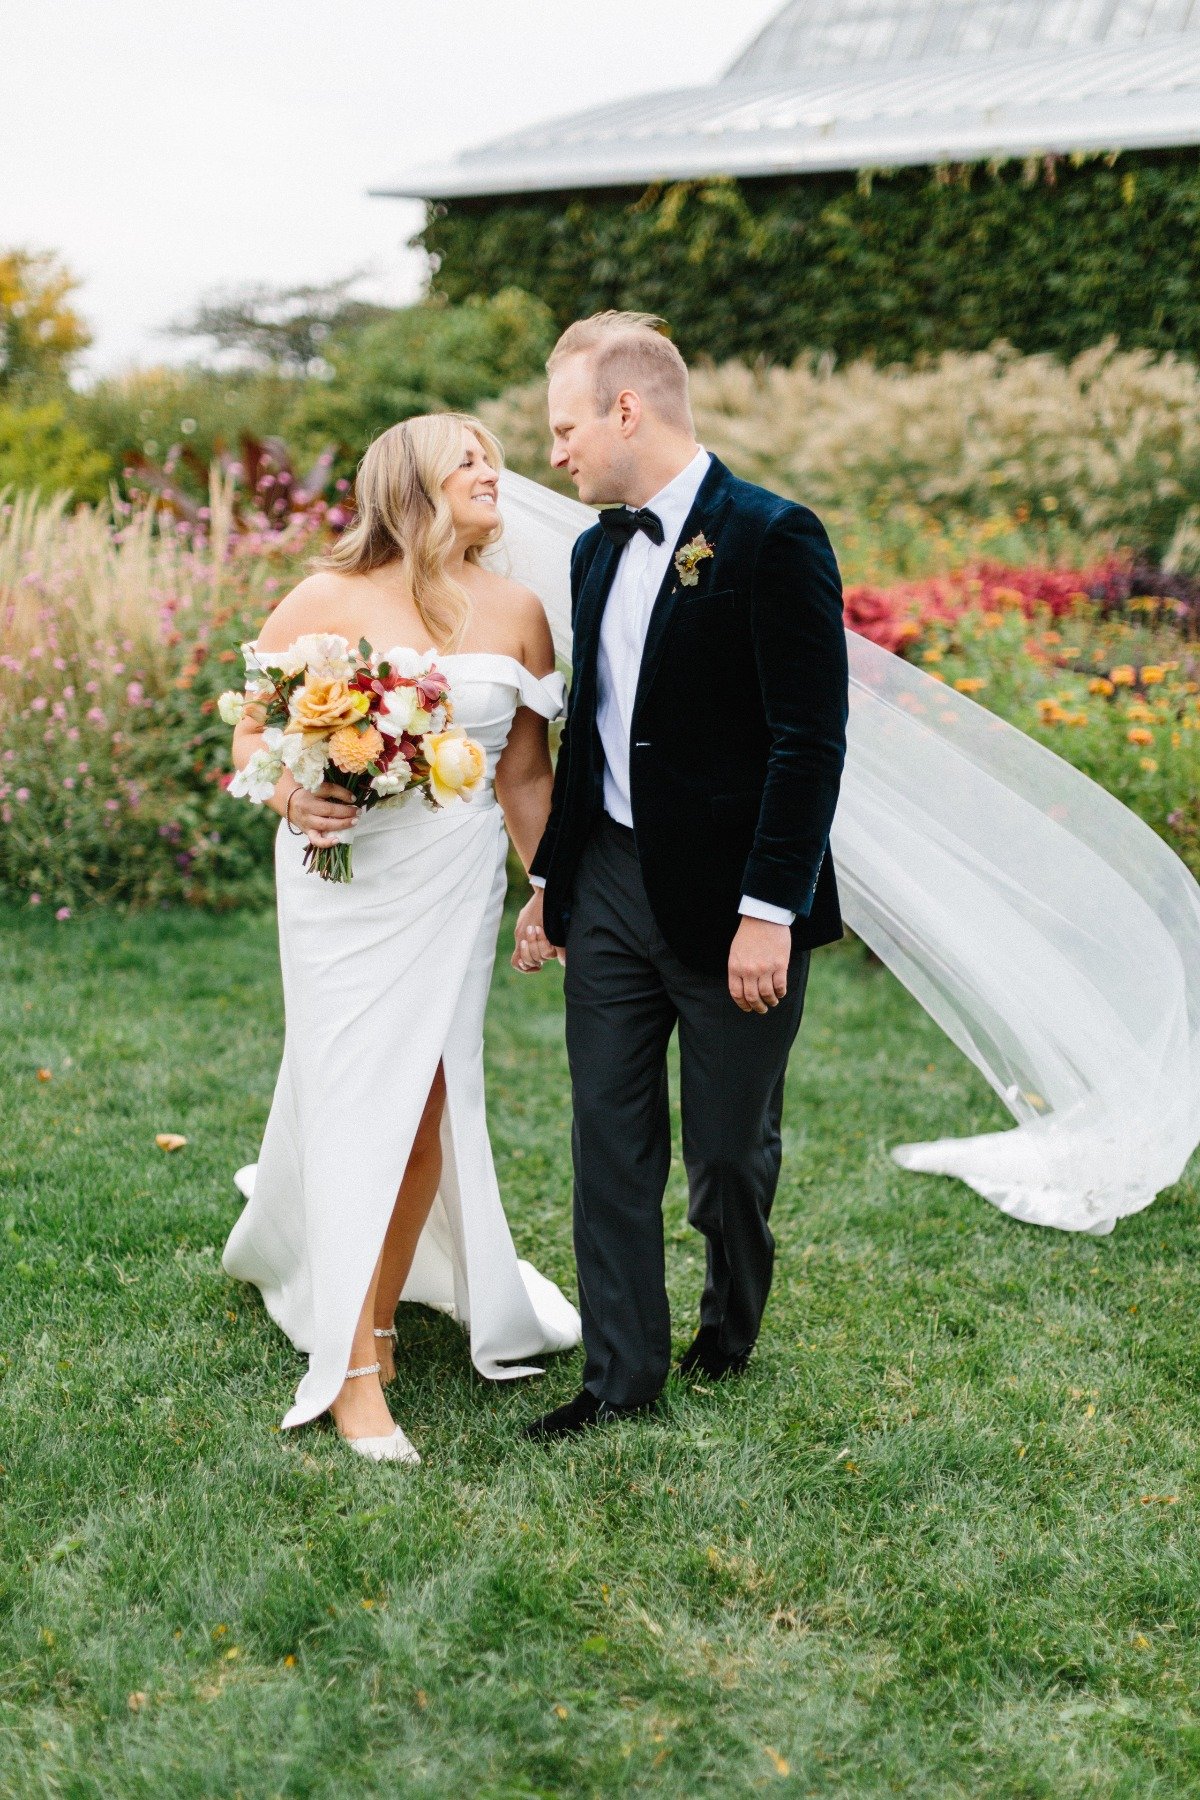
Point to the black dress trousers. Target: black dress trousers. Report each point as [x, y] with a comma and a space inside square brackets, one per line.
[625, 992]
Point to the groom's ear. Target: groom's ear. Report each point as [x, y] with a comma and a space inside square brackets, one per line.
[628, 408]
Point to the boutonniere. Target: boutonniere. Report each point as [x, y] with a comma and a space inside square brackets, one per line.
[689, 558]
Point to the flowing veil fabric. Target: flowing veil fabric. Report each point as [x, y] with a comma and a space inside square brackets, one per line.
[1049, 932]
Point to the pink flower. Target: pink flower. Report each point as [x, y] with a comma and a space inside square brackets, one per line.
[112, 806]
[135, 693]
[38, 703]
[73, 735]
[95, 716]
[92, 687]
[68, 781]
[68, 692]
[35, 899]
[81, 768]
[59, 664]
[22, 794]
[6, 814]
[64, 912]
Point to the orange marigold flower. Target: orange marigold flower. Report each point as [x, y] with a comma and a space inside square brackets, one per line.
[352, 750]
[1152, 674]
[1101, 685]
[1139, 735]
[1149, 764]
[931, 656]
[1050, 712]
[1122, 676]
[970, 684]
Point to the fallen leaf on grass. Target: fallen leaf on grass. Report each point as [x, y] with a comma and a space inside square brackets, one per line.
[170, 1140]
[560, 1712]
[137, 1700]
[1160, 1500]
[45, 1074]
[780, 1764]
[784, 1618]
[1140, 1642]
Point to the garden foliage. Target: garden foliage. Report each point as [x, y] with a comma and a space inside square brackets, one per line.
[1051, 254]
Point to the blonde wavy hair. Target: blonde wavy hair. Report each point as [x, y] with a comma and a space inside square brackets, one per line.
[403, 516]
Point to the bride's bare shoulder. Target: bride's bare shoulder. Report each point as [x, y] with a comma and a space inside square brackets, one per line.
[517, 614]
[315, 604]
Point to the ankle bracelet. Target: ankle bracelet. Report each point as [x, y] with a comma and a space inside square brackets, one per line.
[369, 1369]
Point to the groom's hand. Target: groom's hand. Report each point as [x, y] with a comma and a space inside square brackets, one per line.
[533, 947]
[758, 964]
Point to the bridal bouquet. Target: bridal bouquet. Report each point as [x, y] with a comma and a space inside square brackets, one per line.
[378, 726]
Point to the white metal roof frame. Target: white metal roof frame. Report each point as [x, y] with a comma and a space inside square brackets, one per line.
[852, 116]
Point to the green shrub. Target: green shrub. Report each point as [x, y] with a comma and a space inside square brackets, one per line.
[41, 447]
[426, 358]
[1050, 256]
[150, 411]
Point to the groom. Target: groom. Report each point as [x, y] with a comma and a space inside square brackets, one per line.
[685, 868]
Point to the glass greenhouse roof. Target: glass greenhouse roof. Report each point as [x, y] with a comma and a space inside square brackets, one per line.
[853, 84]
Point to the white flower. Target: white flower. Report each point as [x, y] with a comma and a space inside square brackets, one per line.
[402, 711]
[306, 761]
[408, 663]
[231, 706]
[250, 657]
[321, 653]
[394, 781]
[256, 782]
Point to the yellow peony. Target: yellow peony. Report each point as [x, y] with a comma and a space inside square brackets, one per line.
[457, 765]
[322, 706]
[352, 750]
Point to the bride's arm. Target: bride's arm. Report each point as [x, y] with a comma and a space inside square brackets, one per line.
[524, 776]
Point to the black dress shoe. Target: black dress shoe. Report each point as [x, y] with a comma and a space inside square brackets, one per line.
[577, 1415]
[704, 1356]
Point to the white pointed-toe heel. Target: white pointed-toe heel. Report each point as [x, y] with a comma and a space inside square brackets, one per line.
[393, 1448]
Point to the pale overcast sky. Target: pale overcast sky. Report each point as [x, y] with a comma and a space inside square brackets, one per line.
[166, 149]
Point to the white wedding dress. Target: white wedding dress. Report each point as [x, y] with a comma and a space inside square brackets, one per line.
[384, 977]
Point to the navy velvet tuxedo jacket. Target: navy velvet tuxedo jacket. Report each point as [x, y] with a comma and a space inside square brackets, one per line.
[739, 727]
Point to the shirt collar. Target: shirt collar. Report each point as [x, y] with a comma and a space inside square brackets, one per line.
[674, 502]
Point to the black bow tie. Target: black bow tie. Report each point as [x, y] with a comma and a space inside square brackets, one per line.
[620, 523]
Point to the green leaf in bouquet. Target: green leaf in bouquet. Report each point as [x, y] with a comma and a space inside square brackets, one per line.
[364, 649]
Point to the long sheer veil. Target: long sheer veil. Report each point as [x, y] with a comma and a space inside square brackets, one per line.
[1049, 932]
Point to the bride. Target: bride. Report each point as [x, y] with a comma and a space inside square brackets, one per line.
[375, 1182]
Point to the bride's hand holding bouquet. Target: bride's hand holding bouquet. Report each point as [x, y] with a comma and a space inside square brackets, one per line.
[343, 730]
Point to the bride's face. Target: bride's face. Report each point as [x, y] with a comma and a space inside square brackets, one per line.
[471, 492]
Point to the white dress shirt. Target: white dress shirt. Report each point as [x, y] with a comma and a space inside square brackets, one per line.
[640, 573]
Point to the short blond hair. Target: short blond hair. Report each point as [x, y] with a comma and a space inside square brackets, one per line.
[403, 516]
[630, 350]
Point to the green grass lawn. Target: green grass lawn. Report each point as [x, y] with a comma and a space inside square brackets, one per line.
[942, 1540]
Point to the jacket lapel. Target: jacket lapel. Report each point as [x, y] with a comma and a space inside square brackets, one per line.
[708, 509]
[589, 610]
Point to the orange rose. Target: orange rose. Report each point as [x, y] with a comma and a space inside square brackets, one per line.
[322, 707]
[352, 750]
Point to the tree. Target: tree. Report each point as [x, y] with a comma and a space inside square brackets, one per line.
[40, 333]
[285, 329]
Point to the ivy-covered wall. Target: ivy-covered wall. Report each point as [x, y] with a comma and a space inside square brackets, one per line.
[1051, 255]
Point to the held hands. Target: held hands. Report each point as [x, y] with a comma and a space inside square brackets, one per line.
[320, 815]
[758, 965]
[533, 946]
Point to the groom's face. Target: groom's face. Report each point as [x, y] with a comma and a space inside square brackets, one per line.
[593, 447]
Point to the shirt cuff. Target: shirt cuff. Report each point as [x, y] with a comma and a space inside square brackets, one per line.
[537, 881]
[762, 909]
